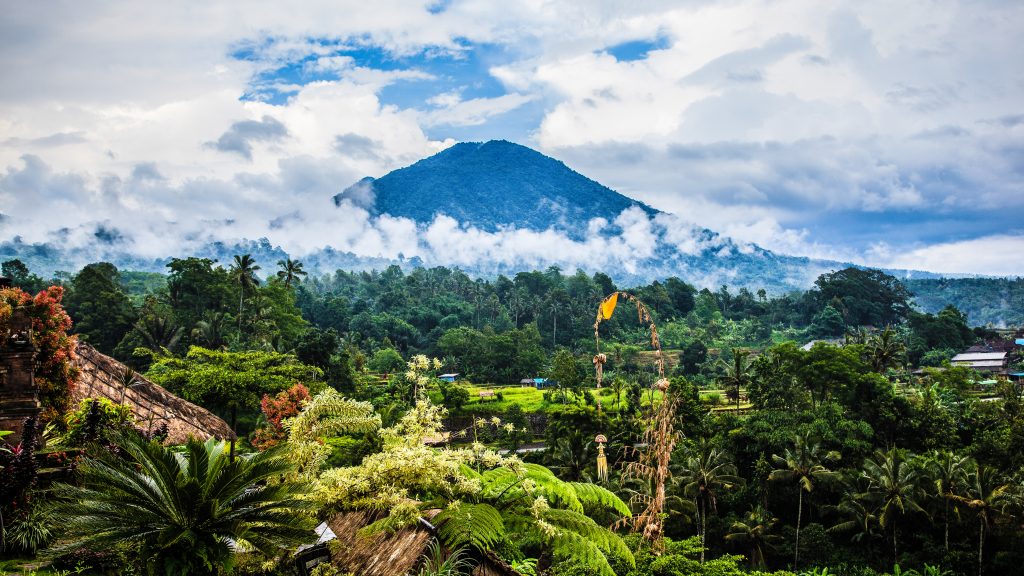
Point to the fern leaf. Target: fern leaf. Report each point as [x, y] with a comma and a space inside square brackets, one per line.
[608, 542]
[477, 525]
[594, 498]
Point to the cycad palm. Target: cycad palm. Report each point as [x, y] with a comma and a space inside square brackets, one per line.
[290, 271]
[704, 473]
[244, 273]
[804, 465]
[894, 485]
[184, 510]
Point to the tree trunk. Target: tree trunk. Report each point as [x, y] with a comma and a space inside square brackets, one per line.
[799, 513]
[241, 295]
[234, 420]
[703, 529]
[981, 545]
[895, 552]
[947, 525]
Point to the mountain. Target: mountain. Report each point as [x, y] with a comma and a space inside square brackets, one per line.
[506, 208]
[492, 185]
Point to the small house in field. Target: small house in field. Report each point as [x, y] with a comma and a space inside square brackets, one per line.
[988, 362]
[449, 377]
[538, 383]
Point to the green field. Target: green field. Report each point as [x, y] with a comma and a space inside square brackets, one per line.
[531, 400]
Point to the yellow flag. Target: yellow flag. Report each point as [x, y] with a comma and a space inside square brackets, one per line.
[608, 306]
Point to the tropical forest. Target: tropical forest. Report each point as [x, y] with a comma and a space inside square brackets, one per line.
[549, 423]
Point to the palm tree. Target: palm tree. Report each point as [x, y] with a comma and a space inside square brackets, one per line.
[210, 331]
[804, 465]
[244, 273]
[988, 494]
[755, 532]
[185, 510]
[948, 473]
[290, 271]
[860, 517]
[894, 485]
[706, 471]
[885, 351]
[158, 331]
[737, 374]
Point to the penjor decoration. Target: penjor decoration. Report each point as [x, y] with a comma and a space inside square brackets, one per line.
[659, 439]
[602, 460]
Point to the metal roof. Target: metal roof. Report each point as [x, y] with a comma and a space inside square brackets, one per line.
[973, 356]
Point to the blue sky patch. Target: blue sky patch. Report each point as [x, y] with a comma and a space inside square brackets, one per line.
[637, 49]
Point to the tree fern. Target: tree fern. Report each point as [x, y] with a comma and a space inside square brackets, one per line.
[477, 525]
[595, 498]
[606, 541]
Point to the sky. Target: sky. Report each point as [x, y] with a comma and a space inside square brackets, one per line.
[887, 134]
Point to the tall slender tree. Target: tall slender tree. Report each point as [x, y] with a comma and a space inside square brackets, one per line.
[243, 272]
[804, 465]
[988, 495]
[737, 373]
[291, 270]
[705, 472]
[895, 487]
[949, 476]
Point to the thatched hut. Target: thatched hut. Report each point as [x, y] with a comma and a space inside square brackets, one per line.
[101, 376]
[392, 554]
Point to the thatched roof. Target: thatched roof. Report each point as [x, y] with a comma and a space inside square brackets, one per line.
[380, 555]
[103, 377]
[393, 554]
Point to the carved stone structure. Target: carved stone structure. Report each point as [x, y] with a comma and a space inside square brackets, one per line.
[19, 396]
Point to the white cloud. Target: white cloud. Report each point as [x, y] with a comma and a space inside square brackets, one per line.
[994, 255]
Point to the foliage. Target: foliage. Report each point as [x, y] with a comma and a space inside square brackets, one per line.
[181, 509]
[102, 311]
[326, 415]
[55, 373]
[230, 380]
[286, 404]
[96, 419]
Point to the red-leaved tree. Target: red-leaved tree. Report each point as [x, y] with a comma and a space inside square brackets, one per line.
[286, 404]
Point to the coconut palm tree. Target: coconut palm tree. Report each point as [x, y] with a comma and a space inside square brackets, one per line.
[894, 486]
[948, 472]
[210, 331]
[987, 496]
[885, 350]
[755, 532]
[705, 471]
[243, 271]
[737, 374]
[290, 271]
[804, 465]
[185, 512]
